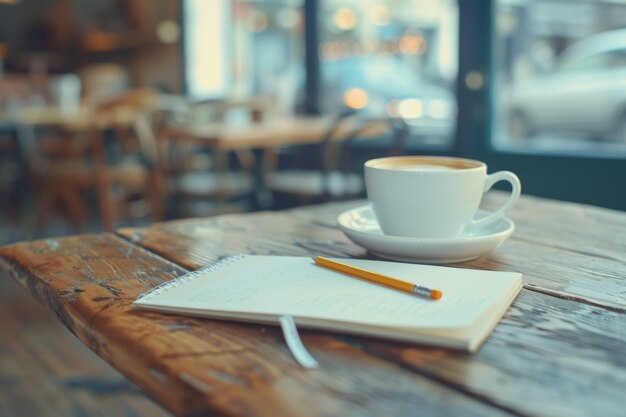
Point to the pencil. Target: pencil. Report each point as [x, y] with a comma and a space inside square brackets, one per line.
[379, 278]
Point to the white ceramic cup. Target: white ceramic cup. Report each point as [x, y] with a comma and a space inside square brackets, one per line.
[432, 197]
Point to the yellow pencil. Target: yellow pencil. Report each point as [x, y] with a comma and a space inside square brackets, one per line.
[379, 278]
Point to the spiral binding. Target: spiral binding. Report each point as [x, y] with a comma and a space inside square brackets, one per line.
[190, 276]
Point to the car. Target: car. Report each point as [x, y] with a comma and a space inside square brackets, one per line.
[583, 91]
[384, 87]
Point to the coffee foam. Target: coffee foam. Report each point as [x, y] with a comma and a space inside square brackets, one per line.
[418, 163]
[424, 168]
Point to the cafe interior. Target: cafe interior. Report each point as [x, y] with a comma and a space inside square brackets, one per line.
[126, 112]
[123, 113]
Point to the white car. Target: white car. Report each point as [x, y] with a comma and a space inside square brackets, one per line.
[584, 92]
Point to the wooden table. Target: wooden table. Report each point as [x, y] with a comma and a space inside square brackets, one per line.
[84, 120]
[559, 351]
[75, 158]
[271, 133]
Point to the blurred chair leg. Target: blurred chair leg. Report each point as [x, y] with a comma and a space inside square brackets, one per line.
[246, 158]
[27, 219]
[156, 196]
[44, 202]
[106, 205]
[102, 180]
[75, 208]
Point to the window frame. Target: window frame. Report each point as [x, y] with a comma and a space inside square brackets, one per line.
[572, 176]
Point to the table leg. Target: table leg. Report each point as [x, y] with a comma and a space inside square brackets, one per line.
[261, 197]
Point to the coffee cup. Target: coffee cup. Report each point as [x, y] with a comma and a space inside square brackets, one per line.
[433, 197]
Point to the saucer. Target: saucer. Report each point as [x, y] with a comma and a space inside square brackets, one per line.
[361, 226]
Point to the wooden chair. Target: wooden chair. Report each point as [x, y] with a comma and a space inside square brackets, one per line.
[331, 177]
[214, 181]
[117, 162]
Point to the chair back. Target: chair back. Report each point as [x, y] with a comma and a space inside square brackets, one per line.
[348, 126]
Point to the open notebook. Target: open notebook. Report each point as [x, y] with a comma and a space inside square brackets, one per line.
[263, 288]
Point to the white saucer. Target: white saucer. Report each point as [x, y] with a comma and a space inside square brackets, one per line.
[361, 226]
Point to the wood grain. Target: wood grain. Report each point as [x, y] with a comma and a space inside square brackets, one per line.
[547, 348]
[199, 242]
[558, 351]
[514, 361]
[566, 268]
[579, 228]
[565, 249]
[204, 367]
[548, 356]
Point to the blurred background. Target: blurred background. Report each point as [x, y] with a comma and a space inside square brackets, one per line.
[89, 89]
[126, 112]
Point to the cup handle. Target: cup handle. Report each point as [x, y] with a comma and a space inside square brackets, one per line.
[516, 189]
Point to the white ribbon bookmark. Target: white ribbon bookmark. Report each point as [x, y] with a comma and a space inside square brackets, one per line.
[295, 345]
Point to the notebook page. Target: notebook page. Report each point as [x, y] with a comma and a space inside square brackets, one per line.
[275, 285]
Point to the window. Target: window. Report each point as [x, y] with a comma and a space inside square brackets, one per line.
[268, 50]
[534, 86]
[204, 49]
[561, 76]
[595, 62]
[560, 131]
[392, 58]
[244, 48]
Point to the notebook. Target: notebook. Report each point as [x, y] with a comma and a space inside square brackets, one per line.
[263, 288]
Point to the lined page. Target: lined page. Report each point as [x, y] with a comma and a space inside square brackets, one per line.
[275, 285]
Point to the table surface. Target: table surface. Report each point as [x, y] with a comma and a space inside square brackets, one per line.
[271, 132]
[82, 120]
[559, 350]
